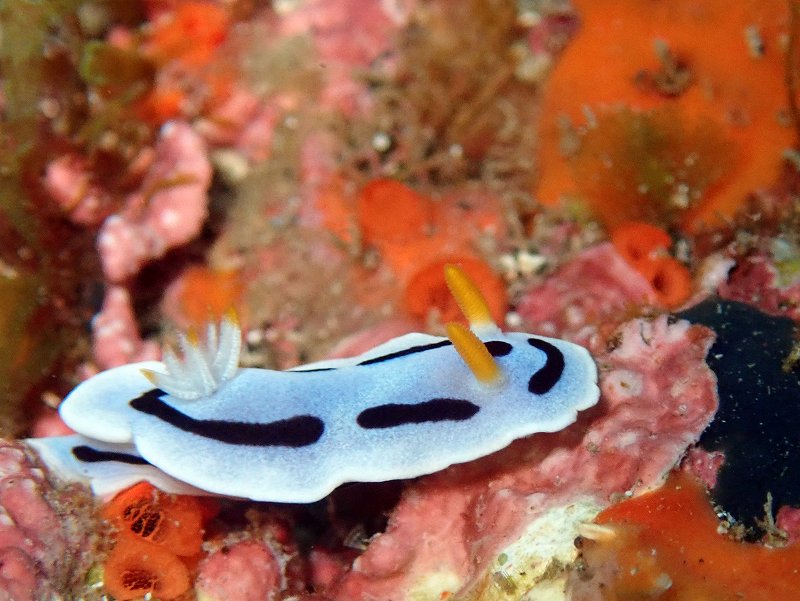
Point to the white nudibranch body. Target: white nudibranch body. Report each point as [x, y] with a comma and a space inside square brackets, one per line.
[411, 406]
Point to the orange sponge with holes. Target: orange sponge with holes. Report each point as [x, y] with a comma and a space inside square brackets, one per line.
[637, 241]
[428, 291]
[135, 568]
[645, 247]
[157, 534]
[171, 521]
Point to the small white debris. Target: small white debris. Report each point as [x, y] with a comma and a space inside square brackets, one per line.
[232, 165]
[755, 43]
[381, 141]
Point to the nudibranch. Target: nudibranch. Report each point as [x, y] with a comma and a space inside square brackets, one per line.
[411, 406]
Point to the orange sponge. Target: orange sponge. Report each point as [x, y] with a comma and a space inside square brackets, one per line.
[665, 545]
[135, 568]
[427, 290]
[191, 34]
[145, 513]
[645, 96]
[206, 294]
[669, 278]
[389, 211]
[637, 241]
[644, 246]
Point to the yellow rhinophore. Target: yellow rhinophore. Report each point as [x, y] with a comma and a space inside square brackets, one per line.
[474, 353]
[469, 298]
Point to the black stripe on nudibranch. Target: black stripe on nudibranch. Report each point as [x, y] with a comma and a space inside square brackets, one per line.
[547, 376]
[498, 348]
[87, 454]
[398, 414]
[406, 351]
[297, 431]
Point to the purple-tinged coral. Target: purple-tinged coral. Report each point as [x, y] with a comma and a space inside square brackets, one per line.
[44, 533]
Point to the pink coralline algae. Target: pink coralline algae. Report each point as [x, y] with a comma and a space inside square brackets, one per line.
[592, 290]
[258, 565]
[704, 465]
[49, 423]
[246, 571]
[372, 337]
[348, 35]
[788, 520]
[658, 395]
[167, 211]
[327, 567]
[40, 549]
[70, 182]
[754, 280]
[244, 122]
[116, 334]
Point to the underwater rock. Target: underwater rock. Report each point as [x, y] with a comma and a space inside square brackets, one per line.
[756, 425]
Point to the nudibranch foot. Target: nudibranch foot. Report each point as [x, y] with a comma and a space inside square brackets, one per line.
[106, 467]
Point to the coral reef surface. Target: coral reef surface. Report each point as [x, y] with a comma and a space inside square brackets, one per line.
[620, 174]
